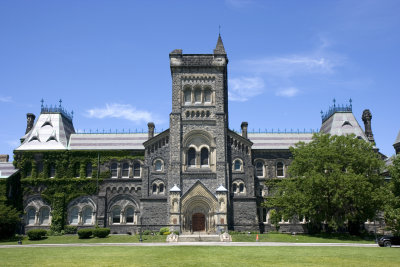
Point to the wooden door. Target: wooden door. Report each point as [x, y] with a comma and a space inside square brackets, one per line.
[198, 222]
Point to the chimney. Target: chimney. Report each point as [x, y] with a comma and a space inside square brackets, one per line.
[4, 158]
[151, 129]
[30, 119]
[244, 129]
[366, 117]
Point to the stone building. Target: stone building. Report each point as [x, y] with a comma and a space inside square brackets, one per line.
[196, 176]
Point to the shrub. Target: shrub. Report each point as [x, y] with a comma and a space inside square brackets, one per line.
[176, 232]
[164, 230]
[85, 233]
[8, 221]
[146, 232]
[167, 233]
[36, 234]
[70, 230]
[53, 233]
[101, 232]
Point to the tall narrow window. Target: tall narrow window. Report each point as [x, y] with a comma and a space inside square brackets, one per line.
[279, 169]
[161, 190]
[241, 188]
[129, 215]
[207, 96]
[73, 215]
[116, 215]
[44, 216]
[87, 215]
[77, 170]
[197, 96]
[52, 171]
[259, 169]
[89, 170]
[114, 170]
[136, 169]
[154, 188]
[125, 170]
[187, 96]
[238, 165]
[158, 165]
[39, 167]
[204, 156]
[234, 188]
[192, 157]
[31, 216]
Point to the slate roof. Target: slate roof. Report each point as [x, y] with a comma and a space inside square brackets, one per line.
[397, 141]
[343, 123]
[107, 141]
[7, 169]
[277, 140]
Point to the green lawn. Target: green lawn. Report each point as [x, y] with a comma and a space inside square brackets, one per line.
[270, 237]
[200, 256]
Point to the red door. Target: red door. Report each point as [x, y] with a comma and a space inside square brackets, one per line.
[198, 222]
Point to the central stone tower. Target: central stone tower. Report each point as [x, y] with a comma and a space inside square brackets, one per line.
[198, 141]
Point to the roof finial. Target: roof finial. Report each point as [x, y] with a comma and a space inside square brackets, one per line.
[334, 102]
[351, 101]
[60, 102]
[42, 101]
[219, 30]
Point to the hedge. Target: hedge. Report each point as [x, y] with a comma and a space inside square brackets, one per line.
[85, 233]
[68, 229]
[36, 234]
[101, 232]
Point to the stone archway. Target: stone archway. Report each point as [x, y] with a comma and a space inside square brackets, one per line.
[199, 208]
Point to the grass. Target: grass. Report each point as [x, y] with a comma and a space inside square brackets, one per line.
[270, 237]
[67, 239]
[200, 256]
[302, 238]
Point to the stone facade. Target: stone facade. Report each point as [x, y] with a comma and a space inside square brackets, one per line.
[197, 176]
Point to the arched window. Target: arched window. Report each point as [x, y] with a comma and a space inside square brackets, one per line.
[279, 169]
[154, 188]
[77, 170]
[161, 188]
[197, 96]
[129, 215]
[31, 216]
[204, 156]
[158, 165]
[207, 96]
[187, 95]
[136, 169]
[125, 170]
[114, 170]
[73, 215]
[192, 157]
[87, 215]
[116, 215]
[89, 170]
[234, 188]
[259, 169]
[52, 170]
[241, 188]
[44, 216]
[238, 165]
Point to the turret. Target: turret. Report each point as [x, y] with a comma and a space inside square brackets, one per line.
[366, 117]
[30, 119]
[151, 127]
[244, 126]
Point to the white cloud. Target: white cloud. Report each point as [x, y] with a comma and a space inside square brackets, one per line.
[287, 92]
[121, 111]
[243, 88]
[6, 99]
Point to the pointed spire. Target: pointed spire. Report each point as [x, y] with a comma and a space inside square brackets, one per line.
[219, 49]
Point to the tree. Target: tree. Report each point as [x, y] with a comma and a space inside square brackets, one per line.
[392, 209]
[9, 220]
[335, 180]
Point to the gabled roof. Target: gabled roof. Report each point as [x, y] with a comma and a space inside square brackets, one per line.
[219, 49]
[107, 141]
[7, 169]
[397, 141]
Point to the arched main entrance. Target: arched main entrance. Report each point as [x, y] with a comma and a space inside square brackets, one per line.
[198, 222]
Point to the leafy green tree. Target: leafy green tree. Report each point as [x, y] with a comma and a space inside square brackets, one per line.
[334, 180]
[8, 221]
[392, 210]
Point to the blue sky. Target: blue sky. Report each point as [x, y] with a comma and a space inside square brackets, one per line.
[108, 61]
